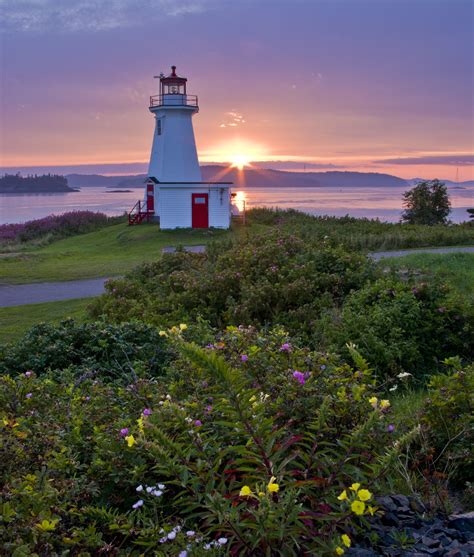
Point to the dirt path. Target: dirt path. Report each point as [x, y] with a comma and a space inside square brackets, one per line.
[35, 293]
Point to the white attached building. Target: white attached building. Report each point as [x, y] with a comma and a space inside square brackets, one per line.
[175, 194]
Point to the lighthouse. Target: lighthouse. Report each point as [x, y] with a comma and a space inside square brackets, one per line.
[175, 195]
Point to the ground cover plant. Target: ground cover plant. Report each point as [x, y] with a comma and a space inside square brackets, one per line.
[326, 296]
[53, 227]
[249, 446]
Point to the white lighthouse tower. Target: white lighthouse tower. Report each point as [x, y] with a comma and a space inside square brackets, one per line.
[175, 194]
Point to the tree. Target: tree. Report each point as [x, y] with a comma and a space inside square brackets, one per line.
[426, 203]
[471, 214]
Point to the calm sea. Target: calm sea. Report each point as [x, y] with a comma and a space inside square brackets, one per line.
[382, 203]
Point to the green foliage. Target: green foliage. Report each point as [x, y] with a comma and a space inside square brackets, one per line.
[402, 326]
[272, 278]
[427, 203]
[244, 454]
[123, 351]
[448, 416]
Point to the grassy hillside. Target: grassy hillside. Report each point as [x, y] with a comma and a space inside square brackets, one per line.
[109, 251]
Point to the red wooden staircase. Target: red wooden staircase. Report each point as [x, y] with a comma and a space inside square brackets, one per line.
[139, 213]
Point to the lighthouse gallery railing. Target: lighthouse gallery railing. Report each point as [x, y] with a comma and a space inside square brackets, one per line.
[174, 100]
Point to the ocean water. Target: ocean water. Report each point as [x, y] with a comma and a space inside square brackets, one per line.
[371, 202]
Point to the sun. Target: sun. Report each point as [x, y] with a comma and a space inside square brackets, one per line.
[240, 161]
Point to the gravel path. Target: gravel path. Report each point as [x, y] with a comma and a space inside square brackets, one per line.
[35, 293]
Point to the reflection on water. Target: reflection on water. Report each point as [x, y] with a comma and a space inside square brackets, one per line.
[382, 203]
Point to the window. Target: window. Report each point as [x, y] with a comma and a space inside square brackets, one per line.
[158, 126]
[199, 200]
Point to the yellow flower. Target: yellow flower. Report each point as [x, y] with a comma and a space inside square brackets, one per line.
[163, 334]
[384, 404]
[358, 507]
[130, 439]
[140, 425]
[371, 510]
[354, 487]
[339, 550]
[373, 400]
[183, 326]
[272, 486]
[346, 540]
[343, 496]
[47, 525]
[261, 494]
[252, 398]
[245, 491]
[364, 494]
[174, 330]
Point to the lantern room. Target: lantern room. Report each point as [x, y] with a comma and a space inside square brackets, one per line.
[173, 84]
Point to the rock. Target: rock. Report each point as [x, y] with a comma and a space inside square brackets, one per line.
[462, 522]
[387, 504]
[401, 501]
[360, 552]
[429, 542]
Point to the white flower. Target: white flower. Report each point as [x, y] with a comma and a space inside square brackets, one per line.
[403, 374]
[190, 533]
[149, 489]
[222, 541]
[157, 493]
[177, 528]
[183, 553]
[161, 403]
[161, 486]
[138, 504]
[394, 388]
[172, 535]
[207, 546]
[168, 397]
[139, 488]
[163, 540]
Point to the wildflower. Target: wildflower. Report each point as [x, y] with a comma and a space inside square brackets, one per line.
[157, 493]
[394, 388]
[364, 494]
[197, 423]
[322, 367]
[183, 326]
[47, 525]
[403, 374]
[163, 334]
[139, 488]
[28, 373]
[384, 404]
[244, 357]
[222, 541]
[339, 550]
[261, 494]
[138, 504]
[190, 533]
[130, 439]
[149, 489]
[371, 510]
[346, 540]
[29, 395]
[171, 535]
[373, 401]
[124, 432]
[183, 553]
[343, 496]
[147, 412]
[299, 377]
[354, 487]
[161, 486]
[358, 507]
[390, 428]
[245, 491]
[286, 347]
[272, 486]
[140, 424]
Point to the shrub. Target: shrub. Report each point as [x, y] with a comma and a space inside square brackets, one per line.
[402, 326]
[111, 351]
[262, 280]
[209, 460]
[427, 203]
[56, 226]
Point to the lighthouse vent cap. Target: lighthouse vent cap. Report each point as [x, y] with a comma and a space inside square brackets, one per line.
[173, 71]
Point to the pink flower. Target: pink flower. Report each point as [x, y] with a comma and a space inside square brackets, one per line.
[147, 412]
[299, 377]
[286, 347]
[124, 432]
[28, 373]
[197, 423]
[29, 395]
[244, 357]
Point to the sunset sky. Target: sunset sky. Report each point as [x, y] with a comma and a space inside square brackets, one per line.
[381, 85]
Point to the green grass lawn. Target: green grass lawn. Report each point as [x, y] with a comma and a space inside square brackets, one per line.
[457, 269]
[15, 321]
[110, 251]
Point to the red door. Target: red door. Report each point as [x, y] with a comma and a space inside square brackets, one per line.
[200, 204]
[150, 197]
